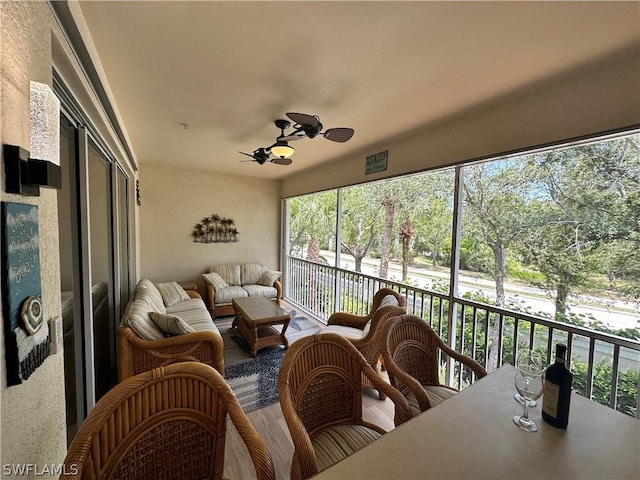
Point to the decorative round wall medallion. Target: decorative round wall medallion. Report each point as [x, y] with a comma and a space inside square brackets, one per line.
[32, 314]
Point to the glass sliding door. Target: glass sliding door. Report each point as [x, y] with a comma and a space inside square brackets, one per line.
[101, 251]
[96, 241]
[71, 297]
[122, 194]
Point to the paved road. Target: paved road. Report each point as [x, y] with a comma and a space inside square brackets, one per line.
[615, 314]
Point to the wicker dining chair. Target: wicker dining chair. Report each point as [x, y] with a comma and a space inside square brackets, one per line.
[410, 355]
[320, 388]
[363, 331]
[166, 423]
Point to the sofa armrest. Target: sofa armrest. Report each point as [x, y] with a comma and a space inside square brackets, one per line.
[278, 286]
[210, 298]
[193, 294]
[136, 355]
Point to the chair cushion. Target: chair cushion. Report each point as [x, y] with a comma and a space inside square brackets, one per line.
[389, 300]
[347, 332]
[194, 313]
[260, 291]
[337, 442]
[250, 273]
[215, 280]
[268, 278]
[229, 273]
[436, 394]
[172, 293]
[171, 324]
[225, 295]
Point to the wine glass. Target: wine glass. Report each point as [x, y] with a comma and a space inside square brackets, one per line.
[526, 355]
[529, 383]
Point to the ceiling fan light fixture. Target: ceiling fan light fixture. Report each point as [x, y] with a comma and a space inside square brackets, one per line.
[282, 149]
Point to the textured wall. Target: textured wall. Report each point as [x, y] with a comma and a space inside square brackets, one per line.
[174, 199]
[33, 413]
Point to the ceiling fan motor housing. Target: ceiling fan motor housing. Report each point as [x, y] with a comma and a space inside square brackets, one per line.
[282, 124]
[312, 130]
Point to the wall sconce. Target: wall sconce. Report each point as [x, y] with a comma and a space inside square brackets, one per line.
[26, 172]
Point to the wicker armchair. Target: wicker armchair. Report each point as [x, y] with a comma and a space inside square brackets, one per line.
[169, 423]
[410, 355]
[321, 398]
[364, 331]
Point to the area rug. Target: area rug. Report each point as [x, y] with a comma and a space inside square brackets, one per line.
[255, 380]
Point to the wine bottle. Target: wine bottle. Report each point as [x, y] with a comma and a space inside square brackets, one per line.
[557, 390]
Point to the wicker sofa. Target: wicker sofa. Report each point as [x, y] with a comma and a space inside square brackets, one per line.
[147, 347]
[224, 283]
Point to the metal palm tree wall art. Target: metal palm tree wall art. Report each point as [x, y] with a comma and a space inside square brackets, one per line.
[215, 229]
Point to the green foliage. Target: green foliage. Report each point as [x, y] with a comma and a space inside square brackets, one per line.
[475, 255]
[516, 270]
[627, 388]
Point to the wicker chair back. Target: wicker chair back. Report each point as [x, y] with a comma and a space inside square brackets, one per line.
[412, 352]
[169, 422]
[320, 385]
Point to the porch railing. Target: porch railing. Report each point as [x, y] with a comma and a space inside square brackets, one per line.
[487, 333]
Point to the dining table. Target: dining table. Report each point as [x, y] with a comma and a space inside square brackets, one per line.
[472, 435]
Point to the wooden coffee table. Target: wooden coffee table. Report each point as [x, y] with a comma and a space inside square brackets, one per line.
[255, 317]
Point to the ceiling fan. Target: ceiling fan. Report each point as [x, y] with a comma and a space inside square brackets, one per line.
[304, 126]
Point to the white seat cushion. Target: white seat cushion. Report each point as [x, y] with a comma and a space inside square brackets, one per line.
[260, 291]
[224, 296]
[347, 332]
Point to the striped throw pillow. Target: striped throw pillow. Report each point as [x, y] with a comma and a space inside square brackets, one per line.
[215, 280]
[145, 329]
[172, 293]
[268, 278]
[171, 324]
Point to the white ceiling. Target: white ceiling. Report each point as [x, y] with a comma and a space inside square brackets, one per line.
[229, 69]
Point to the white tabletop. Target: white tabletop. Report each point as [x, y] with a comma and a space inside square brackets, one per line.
[472, 435]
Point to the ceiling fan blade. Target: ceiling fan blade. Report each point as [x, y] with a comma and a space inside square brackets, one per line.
[304, 119]
[339, 134]
[248, 155]
[281, 161]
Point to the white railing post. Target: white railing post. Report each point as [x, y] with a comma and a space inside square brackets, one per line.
[454, 270]
[336, 262]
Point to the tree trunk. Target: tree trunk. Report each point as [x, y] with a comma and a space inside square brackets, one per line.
[358, 266]
[406, 233]
[500, 272]
[389, 204]
[611, 275]
[562, 293]
[313, 249]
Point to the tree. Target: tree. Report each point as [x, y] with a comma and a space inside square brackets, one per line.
[360, 214]
[495, 196]
[591, 214]
[389, 205]
[314, 219]
[406, 234]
